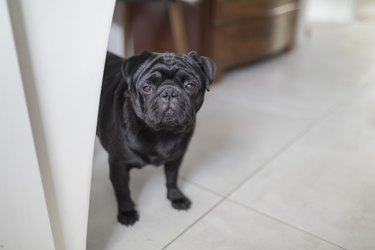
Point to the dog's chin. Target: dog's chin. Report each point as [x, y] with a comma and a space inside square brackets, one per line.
[169, 119]
[169, 124]
[177, 129]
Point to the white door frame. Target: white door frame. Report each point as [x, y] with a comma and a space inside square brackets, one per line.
[61, 48]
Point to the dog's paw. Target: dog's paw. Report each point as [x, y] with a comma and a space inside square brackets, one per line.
[178, 199]
[181, 203]
[128, 218]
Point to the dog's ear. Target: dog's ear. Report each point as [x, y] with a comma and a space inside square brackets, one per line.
[130, 66]
[207, 66]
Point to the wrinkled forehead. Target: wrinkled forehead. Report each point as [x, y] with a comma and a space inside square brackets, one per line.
[167, 66]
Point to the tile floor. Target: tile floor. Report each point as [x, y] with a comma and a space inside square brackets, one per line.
[283, 158]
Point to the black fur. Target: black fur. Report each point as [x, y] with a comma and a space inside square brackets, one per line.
[147, 116]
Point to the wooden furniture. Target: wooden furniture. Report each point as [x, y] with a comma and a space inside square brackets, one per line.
[231, 32]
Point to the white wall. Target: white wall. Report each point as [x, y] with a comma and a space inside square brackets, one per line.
[24, 222]
[337, 11]
[61, 47]
[323, 11]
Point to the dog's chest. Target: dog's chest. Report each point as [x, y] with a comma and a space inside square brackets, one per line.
[162, 153]
[158, 151]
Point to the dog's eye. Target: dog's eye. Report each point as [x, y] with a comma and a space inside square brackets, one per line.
[190, 85]
[147, 89]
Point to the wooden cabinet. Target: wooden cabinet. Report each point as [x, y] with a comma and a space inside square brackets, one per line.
[242, 31]
[232, 32]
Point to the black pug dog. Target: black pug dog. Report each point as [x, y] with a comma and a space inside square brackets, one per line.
[147, 116]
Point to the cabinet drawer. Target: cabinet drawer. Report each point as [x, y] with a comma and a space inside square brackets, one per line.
[242, 42]
[231, 10]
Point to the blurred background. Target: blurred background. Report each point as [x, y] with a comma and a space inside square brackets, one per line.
[233, 33]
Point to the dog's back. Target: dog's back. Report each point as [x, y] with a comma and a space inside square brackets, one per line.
[113, 82]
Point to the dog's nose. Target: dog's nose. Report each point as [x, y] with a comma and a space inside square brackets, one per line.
[169, 93]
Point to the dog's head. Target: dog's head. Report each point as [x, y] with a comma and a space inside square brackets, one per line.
[166, 89]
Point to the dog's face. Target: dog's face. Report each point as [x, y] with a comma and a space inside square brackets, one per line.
[165, 89]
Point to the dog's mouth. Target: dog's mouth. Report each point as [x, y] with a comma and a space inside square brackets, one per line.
[173, 121]
[169, 115]
[173, 116]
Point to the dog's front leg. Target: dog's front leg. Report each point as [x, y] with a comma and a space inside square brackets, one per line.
[178, 199]
[119, 175]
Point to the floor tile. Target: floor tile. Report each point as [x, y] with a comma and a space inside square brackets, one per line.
[230, 226]
[231, 142]
[159, 222]
[325, 182]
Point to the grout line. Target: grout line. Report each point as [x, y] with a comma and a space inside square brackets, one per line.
[195, 222]
[364, 83]
[202, 187]
[272, 158]
[229, 193]
[262, 166]
[284, 223]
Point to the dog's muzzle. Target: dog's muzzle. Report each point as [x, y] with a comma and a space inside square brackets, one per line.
[170, 111]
